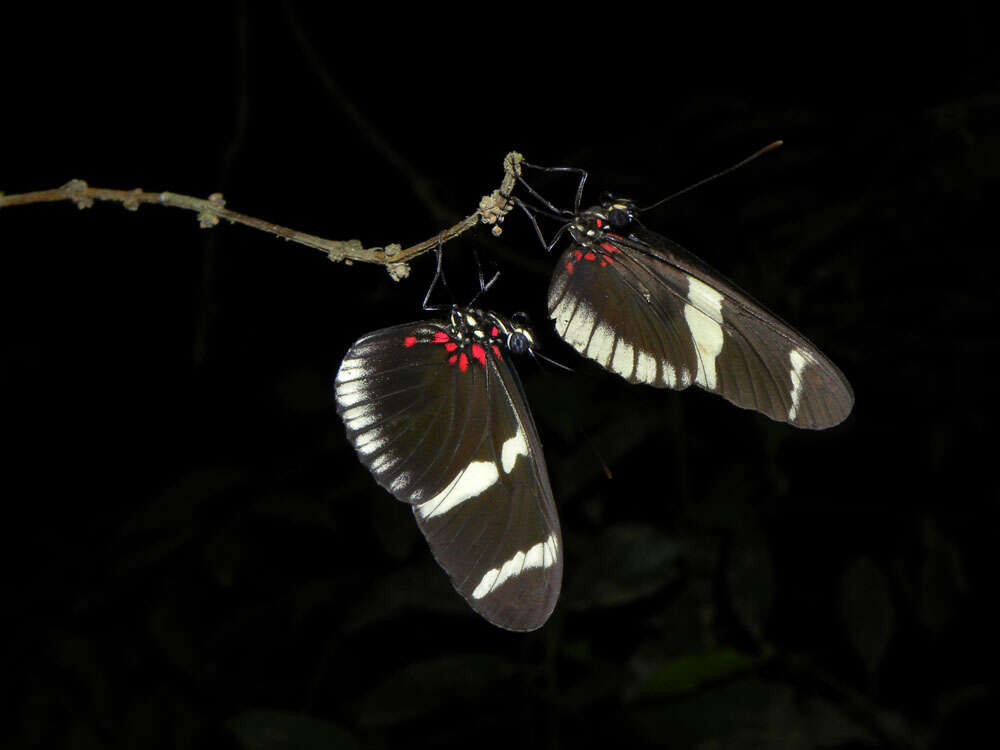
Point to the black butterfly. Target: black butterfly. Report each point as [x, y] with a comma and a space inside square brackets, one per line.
[646, 309]
[438, 415]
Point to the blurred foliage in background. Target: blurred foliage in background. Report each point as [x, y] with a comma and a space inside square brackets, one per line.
[202, 562]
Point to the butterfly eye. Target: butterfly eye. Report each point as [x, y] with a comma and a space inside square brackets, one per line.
[517, 342]
[618, 218]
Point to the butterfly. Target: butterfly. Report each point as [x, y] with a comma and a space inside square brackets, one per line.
[437, 413]
[644, 308]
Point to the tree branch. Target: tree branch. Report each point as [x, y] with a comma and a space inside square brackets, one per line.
[492, 210]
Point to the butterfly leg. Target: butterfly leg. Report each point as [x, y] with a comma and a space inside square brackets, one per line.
[438, 275]
[484, 286]
[579, 188]
[531, 217]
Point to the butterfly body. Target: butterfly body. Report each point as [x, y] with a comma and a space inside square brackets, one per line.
[437, 413]
[648, 310]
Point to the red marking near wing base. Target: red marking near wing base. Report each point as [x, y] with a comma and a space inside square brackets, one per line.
[578, 254]
[494, 332]
[600, 223]
[589, 256]
[409, 341]
[496, 350]
[479, 354]
[440, 337]
[609, 248]
[451, 346]
[569, 268]
[452, 359]
[463, 362]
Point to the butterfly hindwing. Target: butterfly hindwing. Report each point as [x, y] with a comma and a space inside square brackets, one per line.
[502, 547]
[442, 424]
[612, 310]
[646, 309]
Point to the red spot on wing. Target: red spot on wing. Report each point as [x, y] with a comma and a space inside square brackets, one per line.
[409, 341]
[600, 223]
[479, 354]
[578, 254]
[494, 332]
[496, 350]
[452, 358]
[569, 268]
[440, 337]
[589, 256]
[463, 362]
[609, 248]
[451, 346]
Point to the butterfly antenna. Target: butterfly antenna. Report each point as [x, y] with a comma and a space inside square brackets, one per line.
[727, 170]
[537, 355]
[600, 458]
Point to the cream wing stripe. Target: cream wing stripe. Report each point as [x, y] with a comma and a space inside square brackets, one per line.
[542, 555]
[703, 317]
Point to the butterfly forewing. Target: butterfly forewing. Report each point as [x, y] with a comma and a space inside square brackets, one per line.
[646, 309]
[440, 420]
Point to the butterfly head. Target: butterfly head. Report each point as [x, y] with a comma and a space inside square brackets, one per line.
[519, 338]
[613, 215]
[619, 212]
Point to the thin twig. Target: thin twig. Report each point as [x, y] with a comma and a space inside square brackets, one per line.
[492, 210]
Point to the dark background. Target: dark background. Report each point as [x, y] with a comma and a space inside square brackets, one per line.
[196, 557]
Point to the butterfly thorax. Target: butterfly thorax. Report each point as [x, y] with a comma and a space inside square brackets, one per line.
[470, 327]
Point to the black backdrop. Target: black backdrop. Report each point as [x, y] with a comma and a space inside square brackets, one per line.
[198, 559]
